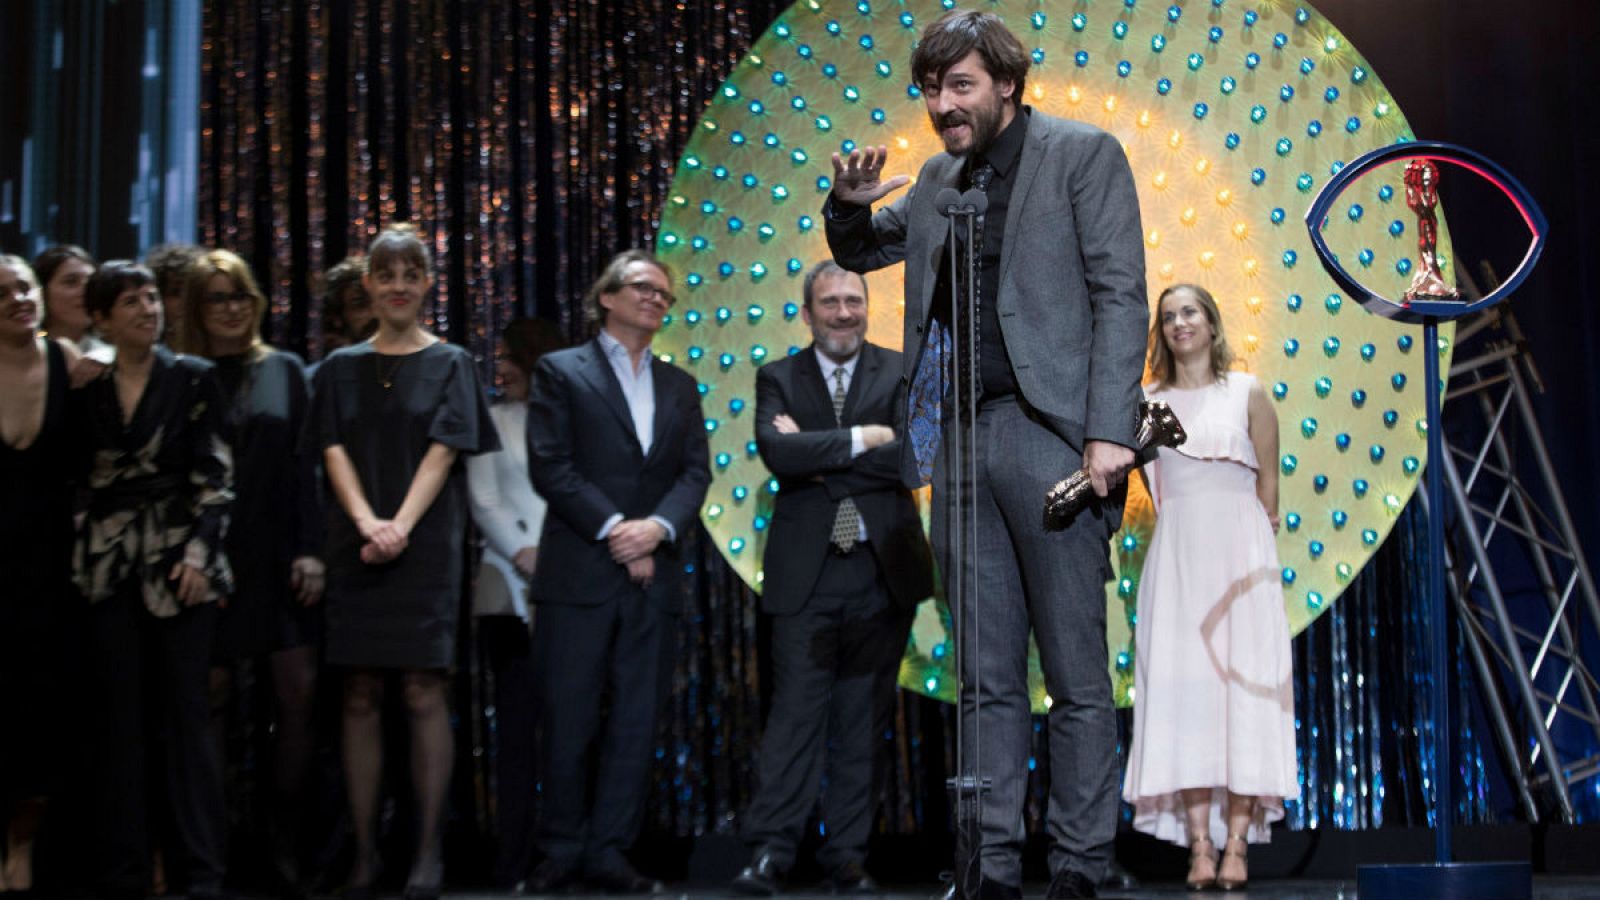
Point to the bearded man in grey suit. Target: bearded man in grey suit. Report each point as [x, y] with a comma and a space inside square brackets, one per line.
[1061, 324]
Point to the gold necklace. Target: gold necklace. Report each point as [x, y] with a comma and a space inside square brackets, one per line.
[386, 378]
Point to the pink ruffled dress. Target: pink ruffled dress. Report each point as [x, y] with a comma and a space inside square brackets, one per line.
[1213, 690]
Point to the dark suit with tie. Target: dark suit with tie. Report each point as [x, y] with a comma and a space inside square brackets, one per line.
[597, 634]
[839, 620]
[1070, 305]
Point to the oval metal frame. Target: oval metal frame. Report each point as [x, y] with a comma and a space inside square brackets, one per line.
[1441, 152]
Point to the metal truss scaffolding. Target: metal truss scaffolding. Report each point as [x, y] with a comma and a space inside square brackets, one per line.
[1528, 661]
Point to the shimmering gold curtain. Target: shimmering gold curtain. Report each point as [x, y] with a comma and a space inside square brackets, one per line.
[528, 140]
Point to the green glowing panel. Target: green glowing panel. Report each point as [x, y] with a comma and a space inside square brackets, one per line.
[1233, 114]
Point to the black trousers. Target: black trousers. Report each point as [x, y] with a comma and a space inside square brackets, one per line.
[611, 658]
[151, 672]
[516, 703]
[833, 666]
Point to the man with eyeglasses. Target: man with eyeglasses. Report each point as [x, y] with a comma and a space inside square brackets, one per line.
[617, 446]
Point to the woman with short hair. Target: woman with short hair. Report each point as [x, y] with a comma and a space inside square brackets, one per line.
[151, 563]
[391, 417]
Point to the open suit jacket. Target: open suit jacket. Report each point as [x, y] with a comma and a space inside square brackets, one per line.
[802, 517]
[586, 462]
[1072, 303]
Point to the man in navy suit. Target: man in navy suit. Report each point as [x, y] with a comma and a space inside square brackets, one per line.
[617, 447]
[846, 563]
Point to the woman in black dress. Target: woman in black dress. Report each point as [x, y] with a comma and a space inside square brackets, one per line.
[150, 561]
[36, 562]
[391, 415]
[273, 615]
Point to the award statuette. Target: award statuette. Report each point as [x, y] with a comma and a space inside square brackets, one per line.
[1422, 195]
[1158, 427]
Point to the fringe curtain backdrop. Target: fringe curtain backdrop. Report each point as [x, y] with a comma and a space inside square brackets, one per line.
[530, 140]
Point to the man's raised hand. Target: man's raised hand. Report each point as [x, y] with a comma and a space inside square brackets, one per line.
[858, 178]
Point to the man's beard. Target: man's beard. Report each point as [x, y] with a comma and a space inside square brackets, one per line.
[840, 346]
[983, 122]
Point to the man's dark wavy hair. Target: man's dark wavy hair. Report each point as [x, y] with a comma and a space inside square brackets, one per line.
[959, 32]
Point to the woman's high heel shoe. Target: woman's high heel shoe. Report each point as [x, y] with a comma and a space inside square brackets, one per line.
[367, 890]
[1202, 863]
[1234, 874]
[426, 879]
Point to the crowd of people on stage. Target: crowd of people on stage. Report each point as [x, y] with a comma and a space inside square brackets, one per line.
[181, 500]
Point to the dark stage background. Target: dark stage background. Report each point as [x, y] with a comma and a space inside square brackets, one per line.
[533, 138]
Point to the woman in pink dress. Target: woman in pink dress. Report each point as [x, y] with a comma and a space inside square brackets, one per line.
[1213, 751]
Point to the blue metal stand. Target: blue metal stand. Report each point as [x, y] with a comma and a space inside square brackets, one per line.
[1443, 879]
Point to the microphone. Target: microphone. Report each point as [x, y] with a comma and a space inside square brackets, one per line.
[950, 202]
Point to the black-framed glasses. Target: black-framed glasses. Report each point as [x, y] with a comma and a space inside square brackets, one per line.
[646, 289]
[223, 298]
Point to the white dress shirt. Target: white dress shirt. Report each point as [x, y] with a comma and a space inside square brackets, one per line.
[858, 444]
[639, 390]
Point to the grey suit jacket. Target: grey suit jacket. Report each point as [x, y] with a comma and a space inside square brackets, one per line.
[1072, 302]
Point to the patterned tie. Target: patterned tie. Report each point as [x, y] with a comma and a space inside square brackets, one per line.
[847, 519]
[982, 175]
[930, 388]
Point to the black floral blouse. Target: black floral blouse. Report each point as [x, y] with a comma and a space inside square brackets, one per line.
[160, 487]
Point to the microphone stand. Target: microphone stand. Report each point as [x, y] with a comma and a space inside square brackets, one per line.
[961, 523]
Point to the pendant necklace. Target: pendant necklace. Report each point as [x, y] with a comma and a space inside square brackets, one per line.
[386, 378]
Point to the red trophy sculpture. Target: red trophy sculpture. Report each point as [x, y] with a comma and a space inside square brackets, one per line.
[1422, 195]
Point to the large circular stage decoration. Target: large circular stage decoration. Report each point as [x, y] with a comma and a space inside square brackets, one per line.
[1232, 114]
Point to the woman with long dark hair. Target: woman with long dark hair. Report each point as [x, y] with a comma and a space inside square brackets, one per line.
[36, 480]
[391, 417]
[63, 271]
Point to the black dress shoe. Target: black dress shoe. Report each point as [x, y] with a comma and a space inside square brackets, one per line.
[551, 877]
[1069, 885]
[1119, 879]
[761, 878]
[622, 880]
[852, 878]
[989, 889]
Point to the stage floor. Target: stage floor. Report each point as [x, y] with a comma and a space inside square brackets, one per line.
[1544, 888]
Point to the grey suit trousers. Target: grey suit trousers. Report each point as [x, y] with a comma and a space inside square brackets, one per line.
[1053, 581]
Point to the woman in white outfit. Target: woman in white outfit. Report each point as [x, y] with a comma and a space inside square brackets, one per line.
[1213, 751]
[509, 517]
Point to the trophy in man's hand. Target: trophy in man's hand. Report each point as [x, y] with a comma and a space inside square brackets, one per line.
[1158, 427]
